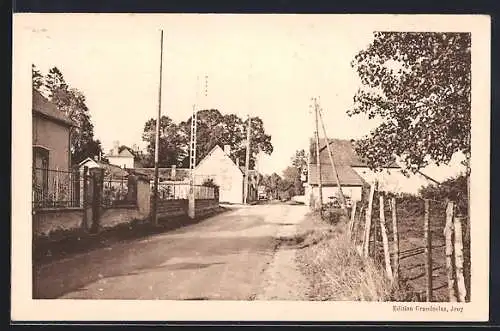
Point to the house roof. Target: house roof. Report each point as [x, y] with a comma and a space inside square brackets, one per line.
[110, 169]
[163, 173]
[44, 107]
[347, 176]
[343, 152]
[345, 159]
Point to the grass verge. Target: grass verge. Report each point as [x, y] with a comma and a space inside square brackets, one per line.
[335, 270]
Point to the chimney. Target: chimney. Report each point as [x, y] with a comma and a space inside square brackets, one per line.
[96, 158]
[227, 149]
[116, 147]
[173, 171]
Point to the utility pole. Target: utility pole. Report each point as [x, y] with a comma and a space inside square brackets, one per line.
[247, 160]
[318, 159]
[157, 143]
[335, 173]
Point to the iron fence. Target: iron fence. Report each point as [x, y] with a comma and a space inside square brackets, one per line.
[55, 188]
[117, 191]
[179, 191]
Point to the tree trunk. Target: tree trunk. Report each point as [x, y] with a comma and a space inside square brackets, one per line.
[448, 232]
[385, 240]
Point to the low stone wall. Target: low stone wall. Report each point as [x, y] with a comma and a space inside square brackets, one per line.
[49, 221]
[111, 217]
[205, 206]
[58, 223]
[172, 208]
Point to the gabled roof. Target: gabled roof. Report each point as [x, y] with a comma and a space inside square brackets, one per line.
[345, 159]
[343, 152]
[347, 176]
[47, 109]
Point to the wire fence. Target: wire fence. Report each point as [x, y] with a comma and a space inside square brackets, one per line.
[424, 243]
[55, 188]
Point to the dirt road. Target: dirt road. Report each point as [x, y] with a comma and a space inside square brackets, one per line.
[229, 256]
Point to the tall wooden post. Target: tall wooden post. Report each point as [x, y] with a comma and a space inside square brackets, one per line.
[318, 160]
[385, 240]
[154, 206]
[247, 161]
[448, 235]
[395, 240]
[428, 251]
[350, 228]
[368, 222]
[334, 170]
[459, 259]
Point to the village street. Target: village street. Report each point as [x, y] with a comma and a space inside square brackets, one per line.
[228, 256]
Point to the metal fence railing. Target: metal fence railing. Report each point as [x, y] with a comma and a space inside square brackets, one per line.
[178, 191]
[116, 191]
[55, 188]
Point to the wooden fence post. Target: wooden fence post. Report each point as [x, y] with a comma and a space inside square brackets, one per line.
[448, 232]
[353, 218]
[428, 251]
[385, 240]
[459, 259]
[368, 221]
[395, 240]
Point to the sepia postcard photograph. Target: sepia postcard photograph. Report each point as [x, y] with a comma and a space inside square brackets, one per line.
[237, 167]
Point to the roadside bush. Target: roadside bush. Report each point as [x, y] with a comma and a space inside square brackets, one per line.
[454, 189]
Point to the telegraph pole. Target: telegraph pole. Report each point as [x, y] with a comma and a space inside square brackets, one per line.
[247, 160]
[335, 173]
[318, 159]
[154, 206]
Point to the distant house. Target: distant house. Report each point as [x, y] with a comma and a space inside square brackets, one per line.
[51, 137]
[110, 170]
[229, 176]
[123, 156]
[354, 174]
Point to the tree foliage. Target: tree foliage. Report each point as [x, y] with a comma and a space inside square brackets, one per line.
[173, 143]
[213, 128]
[419, 85]
[71, 102]
[454, 189]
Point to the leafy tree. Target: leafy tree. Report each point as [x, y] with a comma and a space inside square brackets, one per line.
[272, 184]
[213, 129]
[37, 78]
[299, 160]
[72, 102]
[291, 175]
[418, 84]
[173, 143]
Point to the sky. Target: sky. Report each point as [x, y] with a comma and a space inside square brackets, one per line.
[260, 65]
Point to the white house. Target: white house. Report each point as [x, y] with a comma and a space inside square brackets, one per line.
[354, 174]
[123, 156]
[218, 166]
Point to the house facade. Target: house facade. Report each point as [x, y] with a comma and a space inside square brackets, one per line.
[354, 174]
[226, 174]
[53, 180]
[123, 156]
[51, 136]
